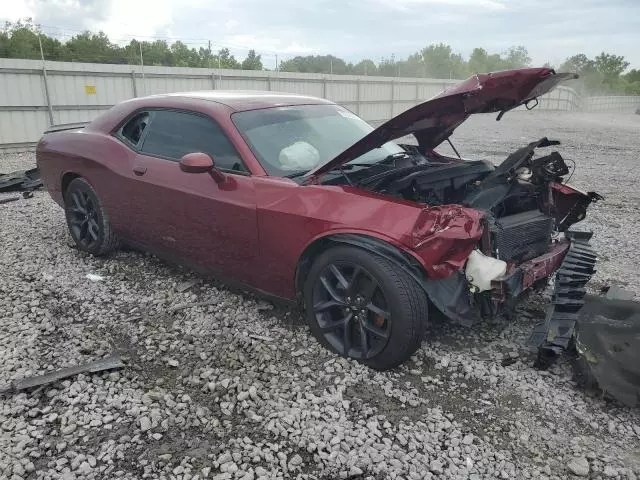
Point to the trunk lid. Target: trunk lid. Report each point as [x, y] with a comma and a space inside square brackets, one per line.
[433, 121]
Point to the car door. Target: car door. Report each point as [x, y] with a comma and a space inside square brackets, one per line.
[190, 217]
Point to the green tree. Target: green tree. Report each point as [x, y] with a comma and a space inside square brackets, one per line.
[90, 47]
[579, 64]
[610, 66]
[182, 55]
[517, 57]
[633, 75]
[225, 60]
[21, 39]
[252, 62]
[440, 62]
[388, 67]
[364, 67]
[315, 64]
[159, 53]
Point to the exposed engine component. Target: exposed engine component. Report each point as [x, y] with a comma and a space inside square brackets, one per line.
[522, 183]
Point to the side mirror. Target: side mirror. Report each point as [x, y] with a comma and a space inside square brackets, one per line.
[196, 162]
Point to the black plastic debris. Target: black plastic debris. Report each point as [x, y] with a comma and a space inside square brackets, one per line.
[22, 180]
[608, 343]
[554, 334]
[109, 363]
[9, 200]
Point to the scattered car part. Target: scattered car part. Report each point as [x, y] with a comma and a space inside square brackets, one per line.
[9, 200]
[20, 180]
[553, 335]
[111, 362]
[608, 345]
[182, 306]
[481, 270]
[94, 277]
[618, 293]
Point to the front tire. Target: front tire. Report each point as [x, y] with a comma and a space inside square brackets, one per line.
[87, 219]
[362, 306]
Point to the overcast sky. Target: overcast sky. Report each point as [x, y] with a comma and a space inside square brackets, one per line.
[353, 29]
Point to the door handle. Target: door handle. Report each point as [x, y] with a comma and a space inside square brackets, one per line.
[138, 170]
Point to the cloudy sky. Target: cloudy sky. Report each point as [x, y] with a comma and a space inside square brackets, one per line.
[353, 29]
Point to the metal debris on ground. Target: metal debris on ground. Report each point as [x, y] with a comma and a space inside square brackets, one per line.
[9, 200]
[188, 284]
[182, 306]
[111, 362]
[20, 180]
[94, 277]
[264, 338]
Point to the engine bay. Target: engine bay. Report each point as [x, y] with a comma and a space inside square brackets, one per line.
[525, 198]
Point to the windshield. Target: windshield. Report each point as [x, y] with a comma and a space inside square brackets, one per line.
[293, 139]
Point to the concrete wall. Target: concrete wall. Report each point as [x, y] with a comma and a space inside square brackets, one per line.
[76, 92]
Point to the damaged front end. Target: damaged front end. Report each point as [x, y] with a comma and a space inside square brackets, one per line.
[527, 210]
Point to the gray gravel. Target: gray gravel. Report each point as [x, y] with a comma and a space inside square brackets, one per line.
[238, 389]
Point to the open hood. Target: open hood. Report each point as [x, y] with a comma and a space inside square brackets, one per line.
[433, 121]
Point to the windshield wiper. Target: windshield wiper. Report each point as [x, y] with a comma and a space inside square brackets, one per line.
[297, 173]
[348, 166]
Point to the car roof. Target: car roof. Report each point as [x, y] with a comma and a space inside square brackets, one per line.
[241, 100]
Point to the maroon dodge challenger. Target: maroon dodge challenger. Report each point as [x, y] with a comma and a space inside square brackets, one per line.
[297, 197]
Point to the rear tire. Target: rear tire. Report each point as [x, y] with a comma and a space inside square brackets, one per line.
[351, 293]
[87, 219]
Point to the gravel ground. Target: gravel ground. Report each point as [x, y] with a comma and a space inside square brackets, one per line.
[237, 388]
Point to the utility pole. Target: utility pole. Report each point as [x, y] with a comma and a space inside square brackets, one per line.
[276, 62]
[144, 82]
[46, 82]
[210, 54]
[331, 65]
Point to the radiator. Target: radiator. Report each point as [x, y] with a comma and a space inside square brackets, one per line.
[521, 236]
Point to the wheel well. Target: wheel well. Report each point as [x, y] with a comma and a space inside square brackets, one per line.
[306, 260]
[371, 244]
[67, 178]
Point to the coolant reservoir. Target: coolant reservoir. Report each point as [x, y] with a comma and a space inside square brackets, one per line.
[481, 270]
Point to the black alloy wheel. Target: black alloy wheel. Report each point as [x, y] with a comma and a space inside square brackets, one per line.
[351, 310]
[83, 220]
[87, 219]
[365, 307]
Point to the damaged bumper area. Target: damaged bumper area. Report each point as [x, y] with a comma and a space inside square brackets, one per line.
[458, 296]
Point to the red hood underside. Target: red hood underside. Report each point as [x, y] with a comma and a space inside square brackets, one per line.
[433, 121]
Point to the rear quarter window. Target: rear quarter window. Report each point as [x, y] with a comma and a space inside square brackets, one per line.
[131, 132]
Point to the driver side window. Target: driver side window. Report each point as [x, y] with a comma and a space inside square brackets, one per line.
[174, 133]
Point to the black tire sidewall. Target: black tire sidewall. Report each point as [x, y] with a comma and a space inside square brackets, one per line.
[401, 328]
[102, 244]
